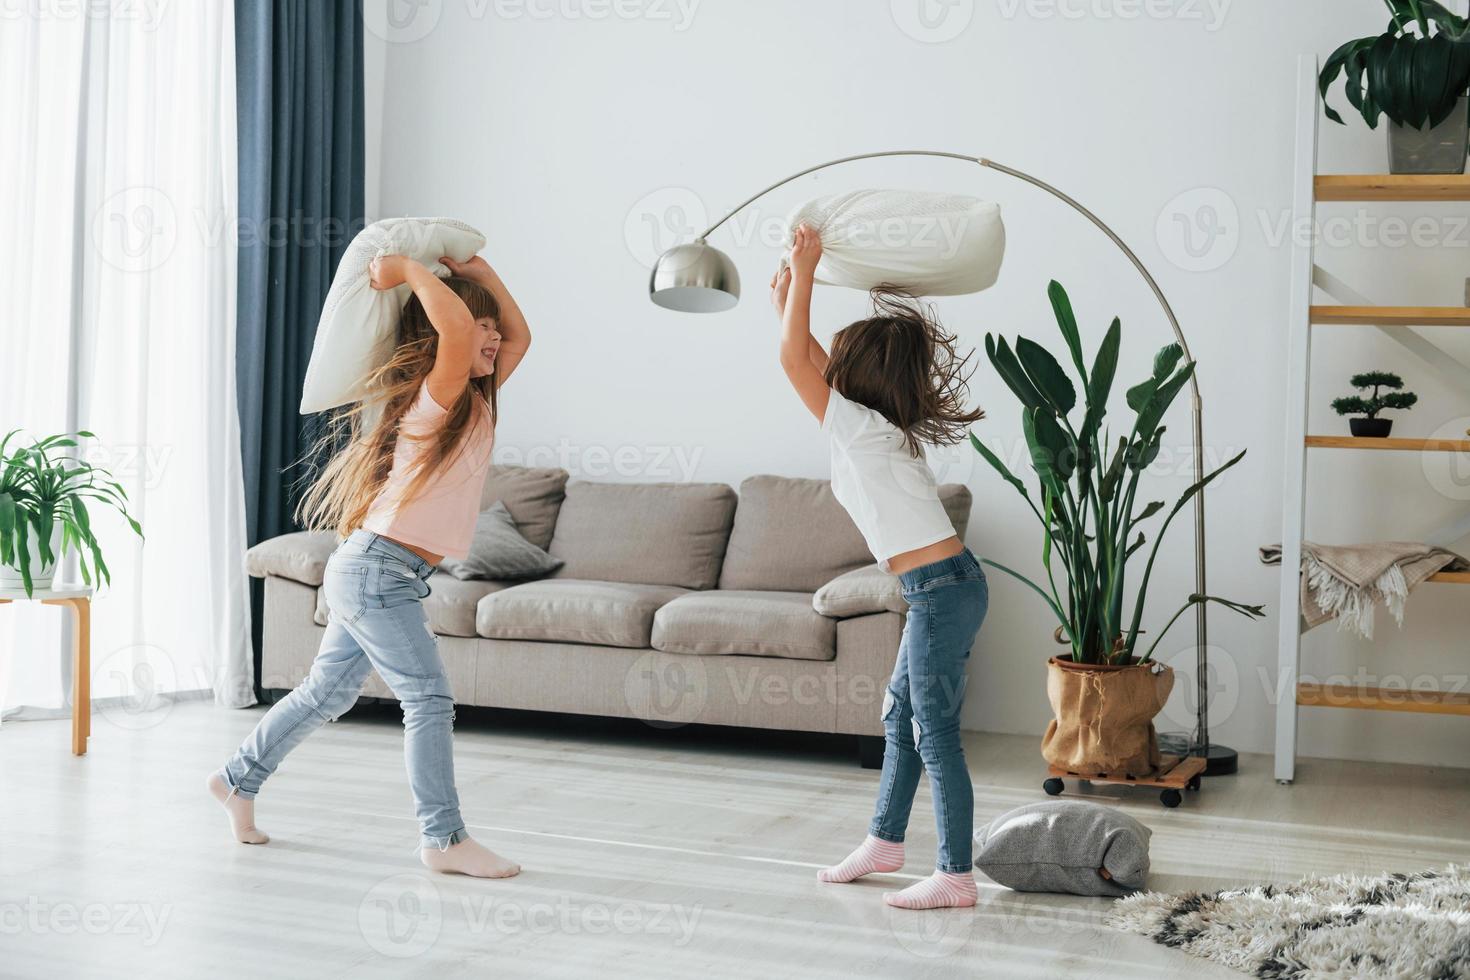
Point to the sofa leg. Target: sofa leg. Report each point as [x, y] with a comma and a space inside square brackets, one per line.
[870, 751]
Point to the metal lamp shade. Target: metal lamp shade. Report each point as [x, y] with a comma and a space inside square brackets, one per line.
[695, 278]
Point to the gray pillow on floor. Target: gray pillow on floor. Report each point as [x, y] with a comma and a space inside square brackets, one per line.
[1060, 845]
[499, 552]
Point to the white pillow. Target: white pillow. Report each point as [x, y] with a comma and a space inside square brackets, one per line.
[359, 324]
[929, 244]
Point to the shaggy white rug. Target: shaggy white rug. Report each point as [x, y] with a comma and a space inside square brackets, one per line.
[1394, 926]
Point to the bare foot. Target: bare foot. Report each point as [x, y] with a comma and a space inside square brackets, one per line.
[241, 811]
[468, 857]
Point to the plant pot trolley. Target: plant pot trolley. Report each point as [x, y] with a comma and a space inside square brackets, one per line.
[1175, 774]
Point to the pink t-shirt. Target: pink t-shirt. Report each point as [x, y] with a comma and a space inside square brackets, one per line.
[441, 517]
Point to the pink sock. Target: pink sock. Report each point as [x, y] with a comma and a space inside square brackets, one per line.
[872, 855]
[940, 890]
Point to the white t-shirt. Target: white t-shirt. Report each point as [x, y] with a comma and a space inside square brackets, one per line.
[892, 495]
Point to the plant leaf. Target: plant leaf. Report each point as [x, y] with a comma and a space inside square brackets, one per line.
[1047, 375]
[1009, 369]
[1061, 305]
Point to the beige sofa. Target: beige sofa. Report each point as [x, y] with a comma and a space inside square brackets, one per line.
[678, 604]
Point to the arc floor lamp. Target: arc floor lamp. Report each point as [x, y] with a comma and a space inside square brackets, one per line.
[698, 278]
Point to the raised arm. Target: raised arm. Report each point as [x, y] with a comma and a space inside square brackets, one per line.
[800, 353]
[515, 333]
[459, 334]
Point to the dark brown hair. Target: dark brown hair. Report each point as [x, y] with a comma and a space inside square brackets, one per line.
[344, 489]
[903, 365]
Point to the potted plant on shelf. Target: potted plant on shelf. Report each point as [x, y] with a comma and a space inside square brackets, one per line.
[1416, 73]
[1366, 422]
[44, 511]
[1103, 693]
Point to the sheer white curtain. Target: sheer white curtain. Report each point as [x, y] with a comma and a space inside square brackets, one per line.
[117, 282]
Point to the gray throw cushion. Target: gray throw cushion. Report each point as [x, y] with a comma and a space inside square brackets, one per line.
[533, 495]
[1061, 845]
[649, 533]
[499, 552]
[761, 624]
[861, 591]
[792, 535]
[609, 614]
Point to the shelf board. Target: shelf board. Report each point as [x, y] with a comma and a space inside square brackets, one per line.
[1451, 578]
[1401, 445]
[1392, 316]
[1392, 187]
[1383, 699]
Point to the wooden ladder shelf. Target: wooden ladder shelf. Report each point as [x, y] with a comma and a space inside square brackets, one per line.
[1309, 189]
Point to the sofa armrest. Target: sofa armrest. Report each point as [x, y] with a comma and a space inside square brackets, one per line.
[860, 592]
[301, 556]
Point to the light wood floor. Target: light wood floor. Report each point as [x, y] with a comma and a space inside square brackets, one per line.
[651, 854]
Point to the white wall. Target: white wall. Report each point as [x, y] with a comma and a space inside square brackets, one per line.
[584, 136]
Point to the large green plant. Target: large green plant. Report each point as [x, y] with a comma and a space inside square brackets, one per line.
[41, 488]
[1413, 78]
[1087, 502]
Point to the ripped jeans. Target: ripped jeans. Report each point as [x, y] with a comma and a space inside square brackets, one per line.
[374, 589]
[921, 709]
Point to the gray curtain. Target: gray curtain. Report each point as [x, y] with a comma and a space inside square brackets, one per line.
[299, 99]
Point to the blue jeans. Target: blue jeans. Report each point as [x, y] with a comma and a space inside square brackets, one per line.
[374, 589]
[921, 710]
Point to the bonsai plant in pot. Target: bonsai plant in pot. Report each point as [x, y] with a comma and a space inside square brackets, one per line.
[44, 511]
[1416, 73]
[1366, 422]
[1104, 692]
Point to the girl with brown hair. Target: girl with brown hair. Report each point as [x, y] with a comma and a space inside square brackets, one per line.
[892, 384]
[403, 494]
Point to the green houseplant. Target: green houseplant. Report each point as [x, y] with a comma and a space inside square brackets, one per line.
[44, 511]
[1366, 422]
[1092, 523]
[1416, 73]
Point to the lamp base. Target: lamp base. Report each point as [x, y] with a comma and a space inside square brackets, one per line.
[1221, 760]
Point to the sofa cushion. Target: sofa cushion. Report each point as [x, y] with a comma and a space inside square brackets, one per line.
[859, 592]
[762, 624]
[648, 533]
[533, 495]
[791, 534]
[450, 607]
[609, 614]
[300, 557]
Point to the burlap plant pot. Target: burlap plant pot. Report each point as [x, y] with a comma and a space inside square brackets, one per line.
[1104, 717]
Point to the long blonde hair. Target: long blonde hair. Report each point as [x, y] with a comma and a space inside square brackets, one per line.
[345, 488]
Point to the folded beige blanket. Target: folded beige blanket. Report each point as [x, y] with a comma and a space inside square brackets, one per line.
[1346, 582]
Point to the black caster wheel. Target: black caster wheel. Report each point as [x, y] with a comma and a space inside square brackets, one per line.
[1170, 798]
[1053, 786]
[1193, 783]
